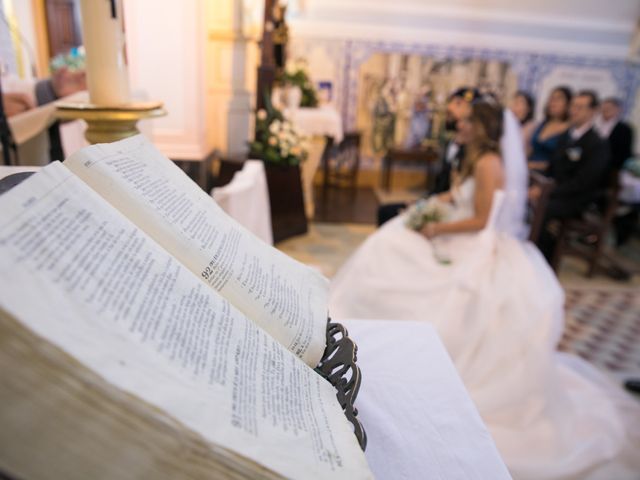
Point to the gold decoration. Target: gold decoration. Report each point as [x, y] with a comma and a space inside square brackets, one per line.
[468, 96]
[109, 124]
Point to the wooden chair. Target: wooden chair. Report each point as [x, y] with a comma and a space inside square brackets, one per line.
[341, 162]
[538, 207]
[586, 237]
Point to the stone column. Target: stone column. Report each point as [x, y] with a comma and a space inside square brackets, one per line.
[231, 60]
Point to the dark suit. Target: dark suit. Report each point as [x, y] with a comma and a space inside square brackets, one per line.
[447, 166]
[46, 94]
[579, 169]
[621, 144]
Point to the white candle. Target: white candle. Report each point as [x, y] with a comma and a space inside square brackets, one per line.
[104, 43]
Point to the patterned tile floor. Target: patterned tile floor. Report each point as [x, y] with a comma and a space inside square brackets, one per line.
[603, 316]
[602, 325]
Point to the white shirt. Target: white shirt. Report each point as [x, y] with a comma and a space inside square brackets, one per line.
[452, 150]
[577, 133]
[605, 127]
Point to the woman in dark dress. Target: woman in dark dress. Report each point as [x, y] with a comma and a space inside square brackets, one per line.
[545, 137]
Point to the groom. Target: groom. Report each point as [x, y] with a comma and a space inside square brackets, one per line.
[458, 108]
[578, 167]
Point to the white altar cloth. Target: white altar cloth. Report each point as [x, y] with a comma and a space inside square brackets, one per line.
[323, 121]
[317, 124]
[419, 418]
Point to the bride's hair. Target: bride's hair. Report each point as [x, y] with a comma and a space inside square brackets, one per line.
[487, 124]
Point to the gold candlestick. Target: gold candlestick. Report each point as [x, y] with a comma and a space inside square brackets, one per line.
[109, 124]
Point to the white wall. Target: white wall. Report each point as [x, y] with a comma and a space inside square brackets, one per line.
[26, 28]
[165, 45]
[594, 27]
[196, 57]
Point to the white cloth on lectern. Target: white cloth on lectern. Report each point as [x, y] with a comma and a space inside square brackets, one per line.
[419, 419]
[246, 199]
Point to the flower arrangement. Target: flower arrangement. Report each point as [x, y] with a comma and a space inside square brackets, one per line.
[295, 74]
[277, 140]
[425, 211]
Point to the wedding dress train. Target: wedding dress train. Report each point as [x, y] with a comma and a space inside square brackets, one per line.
[499, 311]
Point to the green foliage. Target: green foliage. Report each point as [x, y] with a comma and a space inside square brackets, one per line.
[300, 78]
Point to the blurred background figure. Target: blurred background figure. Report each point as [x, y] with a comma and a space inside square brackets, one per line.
[544, 139]
[20, 95]
[618, 133]
[523, 107]
[578, 167]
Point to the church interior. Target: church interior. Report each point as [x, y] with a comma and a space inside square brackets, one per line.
[459, 181]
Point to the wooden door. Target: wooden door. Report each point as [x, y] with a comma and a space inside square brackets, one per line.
[63, 25]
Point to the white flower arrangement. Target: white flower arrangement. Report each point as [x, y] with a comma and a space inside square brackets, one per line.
[278, 140]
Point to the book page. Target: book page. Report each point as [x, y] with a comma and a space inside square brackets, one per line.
[82, 276]
[284, 297]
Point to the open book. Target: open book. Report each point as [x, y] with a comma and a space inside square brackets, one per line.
[145, 334]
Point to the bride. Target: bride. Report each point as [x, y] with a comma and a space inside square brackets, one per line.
[499, 311]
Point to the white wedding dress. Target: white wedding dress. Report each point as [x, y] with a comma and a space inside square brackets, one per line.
[499, 311]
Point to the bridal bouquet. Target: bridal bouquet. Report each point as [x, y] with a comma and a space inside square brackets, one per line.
[425, 211]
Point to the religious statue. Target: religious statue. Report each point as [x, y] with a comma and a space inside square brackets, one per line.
[280, 35]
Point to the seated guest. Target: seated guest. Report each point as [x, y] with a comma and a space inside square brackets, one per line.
[611, 127]
[544, 139]
[619, 134]
[15, 103]
[577, 166]
[523, 107]
[458, 108]
[20, 95]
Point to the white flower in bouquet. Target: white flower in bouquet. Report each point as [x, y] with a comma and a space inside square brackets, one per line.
[275, 127]
[262, 114]
[426, 211]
